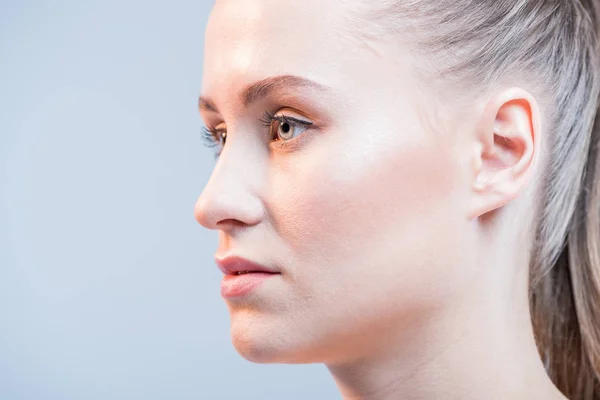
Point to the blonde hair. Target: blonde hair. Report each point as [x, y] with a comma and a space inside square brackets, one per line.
[553, 45]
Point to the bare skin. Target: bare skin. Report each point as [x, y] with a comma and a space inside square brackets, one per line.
[402, 269]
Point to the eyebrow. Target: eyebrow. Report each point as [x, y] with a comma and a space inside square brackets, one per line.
[262, 88]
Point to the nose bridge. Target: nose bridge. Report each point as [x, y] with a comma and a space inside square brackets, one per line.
[231, 192]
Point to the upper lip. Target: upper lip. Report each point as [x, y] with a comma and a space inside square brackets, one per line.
[231, 265]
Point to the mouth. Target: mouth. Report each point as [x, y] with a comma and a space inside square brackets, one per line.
[241, 283]
[236, 265]
[242, 275]
[252, 272]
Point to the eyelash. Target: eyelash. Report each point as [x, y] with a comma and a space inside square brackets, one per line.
[212, 137]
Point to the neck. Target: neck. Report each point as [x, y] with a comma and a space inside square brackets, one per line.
[470, 348]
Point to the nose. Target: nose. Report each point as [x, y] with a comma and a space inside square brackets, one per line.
[230, 197]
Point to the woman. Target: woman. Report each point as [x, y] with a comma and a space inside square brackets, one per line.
[408, 192]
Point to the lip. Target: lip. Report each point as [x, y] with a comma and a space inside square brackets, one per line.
[231, 265]
[237, 285]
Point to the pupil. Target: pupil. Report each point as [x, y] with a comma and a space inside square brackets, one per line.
[285, 127]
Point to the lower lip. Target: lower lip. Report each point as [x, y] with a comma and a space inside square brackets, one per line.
[239, 285]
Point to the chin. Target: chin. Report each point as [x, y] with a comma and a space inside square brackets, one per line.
[261, 341]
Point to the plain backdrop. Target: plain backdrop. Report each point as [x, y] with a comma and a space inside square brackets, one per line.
[108, 288]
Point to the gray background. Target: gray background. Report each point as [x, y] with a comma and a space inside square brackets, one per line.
[108, 289]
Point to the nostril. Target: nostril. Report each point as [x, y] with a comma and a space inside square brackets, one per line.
[231, 207]
[229, 223]
[213, 214]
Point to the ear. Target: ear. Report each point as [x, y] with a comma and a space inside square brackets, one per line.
[507, 139]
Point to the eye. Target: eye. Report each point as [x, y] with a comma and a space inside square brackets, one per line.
[287, 130]
[286, 127]
[282, 128]
[214, 138]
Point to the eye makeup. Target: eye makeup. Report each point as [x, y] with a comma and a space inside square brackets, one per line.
[213, 137]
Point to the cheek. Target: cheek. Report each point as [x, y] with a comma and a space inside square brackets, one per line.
[370, 219]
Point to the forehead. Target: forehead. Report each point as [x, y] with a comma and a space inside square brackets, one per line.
[247, 40]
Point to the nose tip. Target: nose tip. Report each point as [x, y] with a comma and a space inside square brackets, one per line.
[213, 209]
[231, 195]
[201, 213]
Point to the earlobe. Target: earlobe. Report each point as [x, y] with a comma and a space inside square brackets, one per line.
[507, 140]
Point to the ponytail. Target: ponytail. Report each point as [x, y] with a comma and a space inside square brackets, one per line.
[584, 267]
[566, 302]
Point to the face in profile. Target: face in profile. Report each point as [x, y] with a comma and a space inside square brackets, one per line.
[332, 173]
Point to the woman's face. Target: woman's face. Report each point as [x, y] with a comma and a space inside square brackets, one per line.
[363, 212]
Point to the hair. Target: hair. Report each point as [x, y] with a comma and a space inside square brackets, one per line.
[553, 47]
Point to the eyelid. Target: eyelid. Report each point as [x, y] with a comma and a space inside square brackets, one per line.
[288, 118]
[290, 144]
[268, 117]
[213, 137]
